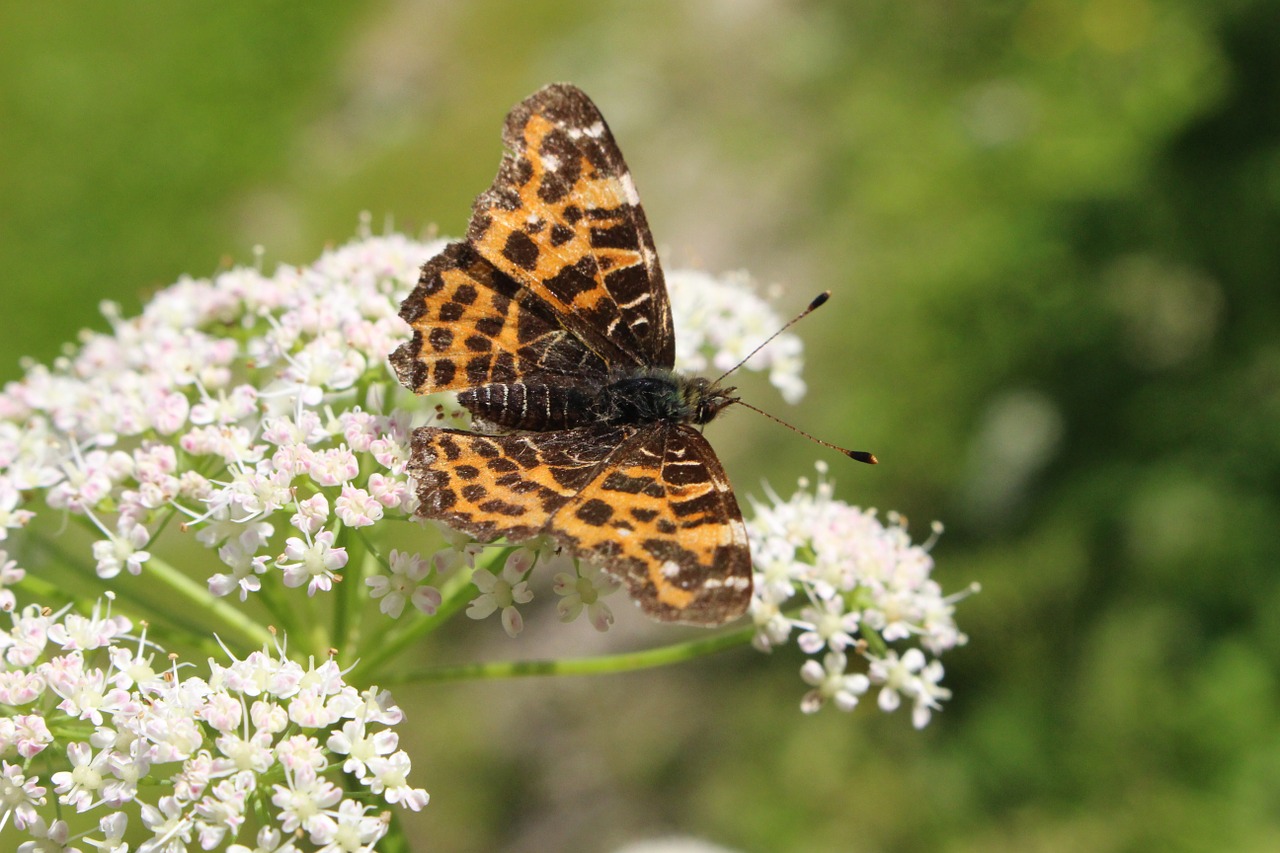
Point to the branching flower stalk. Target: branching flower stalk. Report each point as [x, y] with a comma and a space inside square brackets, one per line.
[210, 559]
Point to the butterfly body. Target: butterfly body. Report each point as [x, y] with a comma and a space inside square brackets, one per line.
[552, 323]
[646, 396]
[665, 396]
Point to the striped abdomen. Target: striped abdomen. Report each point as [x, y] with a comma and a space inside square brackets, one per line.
[533, 407]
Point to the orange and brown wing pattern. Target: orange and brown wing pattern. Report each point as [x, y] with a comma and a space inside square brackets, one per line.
[660, 515]
[552, 320]
[505, 485]
[563, 219]
[472, 325]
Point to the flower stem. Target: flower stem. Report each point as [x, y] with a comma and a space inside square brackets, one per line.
[392, 643]
[603, 664]
[88, 581]
[350, 587]
[196, 595]
[282, 615]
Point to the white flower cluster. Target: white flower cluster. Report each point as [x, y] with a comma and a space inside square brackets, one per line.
[247, 399]
[235, 403]
[260, 736]
[865, 586]
[255, 416]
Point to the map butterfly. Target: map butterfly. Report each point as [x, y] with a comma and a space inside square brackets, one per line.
[551, 321]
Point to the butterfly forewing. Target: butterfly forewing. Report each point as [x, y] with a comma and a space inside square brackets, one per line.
[563, 219]
[473, 325]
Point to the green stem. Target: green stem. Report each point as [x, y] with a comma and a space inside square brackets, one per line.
[198, 597]
[89, 586]
[347, 588]
[40, 590]
[361, 630]
[66, 558]
[454, 598]
[283, 615]
[603, 664]
[364, 562]
[313, 631]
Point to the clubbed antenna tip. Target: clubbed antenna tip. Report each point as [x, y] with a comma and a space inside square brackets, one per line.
[859, 455]
[816, 303]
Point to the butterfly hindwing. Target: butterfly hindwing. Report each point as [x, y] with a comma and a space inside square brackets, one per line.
[564, 220]
[505, 485]
[660, 515]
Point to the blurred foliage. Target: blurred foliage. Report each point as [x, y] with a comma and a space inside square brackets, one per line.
[1051, 231]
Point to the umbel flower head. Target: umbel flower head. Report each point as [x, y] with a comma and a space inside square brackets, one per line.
[865, 586]
[237, 451]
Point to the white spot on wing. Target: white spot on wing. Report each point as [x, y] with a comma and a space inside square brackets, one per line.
[670, 569]
[629, 188]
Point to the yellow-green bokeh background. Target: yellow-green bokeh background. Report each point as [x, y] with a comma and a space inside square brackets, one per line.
[1052, 230]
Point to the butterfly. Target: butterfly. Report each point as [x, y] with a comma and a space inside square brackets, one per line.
[551, 322]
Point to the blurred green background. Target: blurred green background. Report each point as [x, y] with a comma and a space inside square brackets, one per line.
[1052, 230]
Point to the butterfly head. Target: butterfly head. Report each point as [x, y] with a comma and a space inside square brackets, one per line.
[705, 399]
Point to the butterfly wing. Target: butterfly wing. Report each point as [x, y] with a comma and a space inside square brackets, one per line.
[473, 325]
[563, 219]
[652, 505]
[660, 515]
[506, 485]
[559, 283]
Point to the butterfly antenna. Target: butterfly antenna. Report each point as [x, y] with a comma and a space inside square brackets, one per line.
[859, 455]
[813, 306]
[856, 455]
